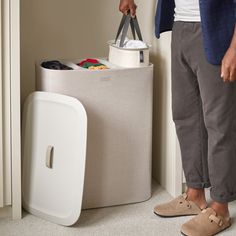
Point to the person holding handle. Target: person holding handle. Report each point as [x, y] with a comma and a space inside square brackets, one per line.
[203, 65]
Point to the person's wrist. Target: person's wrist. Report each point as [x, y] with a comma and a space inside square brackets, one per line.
[233, 47]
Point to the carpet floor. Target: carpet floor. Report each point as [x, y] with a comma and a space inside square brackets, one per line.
[128, 220]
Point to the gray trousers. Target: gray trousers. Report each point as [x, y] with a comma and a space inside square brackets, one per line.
[204, 113]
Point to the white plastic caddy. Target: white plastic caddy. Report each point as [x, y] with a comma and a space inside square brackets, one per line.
[127, 57]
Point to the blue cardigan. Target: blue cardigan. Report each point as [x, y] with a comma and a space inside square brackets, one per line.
[217, 21]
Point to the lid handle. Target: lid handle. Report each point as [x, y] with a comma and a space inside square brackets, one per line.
[49, 156]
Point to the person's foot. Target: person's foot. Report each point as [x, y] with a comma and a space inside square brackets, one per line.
[197, 195]
[207, 223]
[180, 206]
[220, 208]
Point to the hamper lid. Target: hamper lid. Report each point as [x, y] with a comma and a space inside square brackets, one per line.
[54, 153]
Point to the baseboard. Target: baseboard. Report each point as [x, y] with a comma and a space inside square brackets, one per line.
[5, 212]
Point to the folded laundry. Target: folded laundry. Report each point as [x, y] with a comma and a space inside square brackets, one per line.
[55, 65]
[89, 60]
[98, 67]
[92, 64]
[132, 44]
[135, 44]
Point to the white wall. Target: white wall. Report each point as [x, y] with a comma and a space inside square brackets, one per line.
[80, 29]
[64, 29]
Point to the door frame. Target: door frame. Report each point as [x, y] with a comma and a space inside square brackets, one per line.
[1, 118]
[15, 108]
[10, 156]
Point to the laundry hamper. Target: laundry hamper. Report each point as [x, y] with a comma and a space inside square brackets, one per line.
[119, 103]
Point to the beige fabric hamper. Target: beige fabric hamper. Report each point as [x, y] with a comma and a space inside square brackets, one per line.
[118, 103]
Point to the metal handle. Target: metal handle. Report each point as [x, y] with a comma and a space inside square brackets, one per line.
[49, 156]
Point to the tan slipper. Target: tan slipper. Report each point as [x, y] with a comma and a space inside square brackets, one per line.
[207, 223]
[179, 206]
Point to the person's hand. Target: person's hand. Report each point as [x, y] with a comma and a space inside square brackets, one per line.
[126, 6]
[228, 66]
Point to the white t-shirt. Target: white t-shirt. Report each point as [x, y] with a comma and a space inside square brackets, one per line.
[187, 10]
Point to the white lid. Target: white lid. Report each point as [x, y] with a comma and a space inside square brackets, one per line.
[54, 152]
